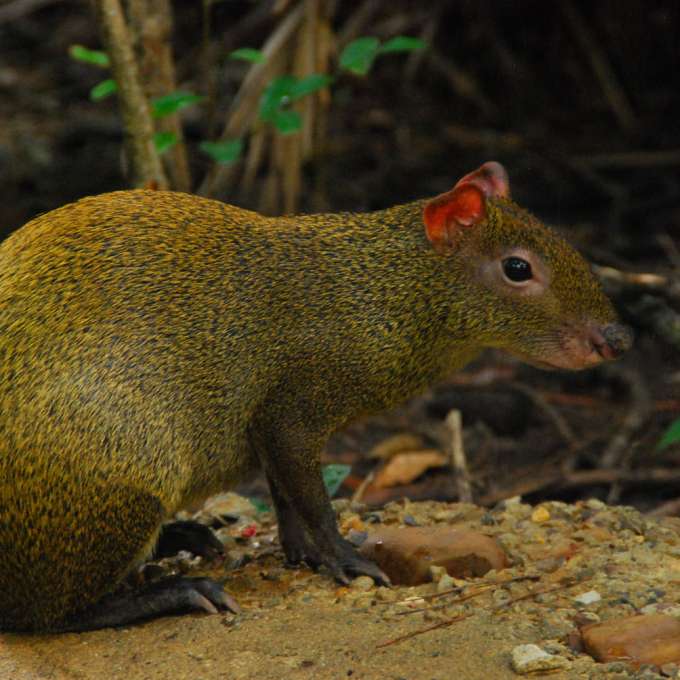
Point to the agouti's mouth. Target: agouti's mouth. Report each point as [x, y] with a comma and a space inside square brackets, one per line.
[576, 350]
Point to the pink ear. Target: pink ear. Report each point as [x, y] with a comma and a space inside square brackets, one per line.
[446, 215]
[491, 178]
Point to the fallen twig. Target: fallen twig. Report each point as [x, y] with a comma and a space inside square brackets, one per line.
[539, 400]
[632, 159]
[613, 92]
[19, 8]
[495, 609]
[668, 509]
[639, 411]
[458, 460]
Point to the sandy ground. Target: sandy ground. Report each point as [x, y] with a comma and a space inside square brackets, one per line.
[297, 624]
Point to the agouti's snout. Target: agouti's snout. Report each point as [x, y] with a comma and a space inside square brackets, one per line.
[612, 340]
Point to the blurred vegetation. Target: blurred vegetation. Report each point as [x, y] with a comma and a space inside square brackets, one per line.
[141, 58]
[264, 104]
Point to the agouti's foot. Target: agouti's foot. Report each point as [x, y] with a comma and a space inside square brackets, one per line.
[175, 595]
[341, 558]
[197, 538]
[347, 562]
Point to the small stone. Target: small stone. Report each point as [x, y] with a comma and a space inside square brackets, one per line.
[437, 572]
[362, 583]
[670, 670]
[445, 583]
[352, 523]
[662, 608]
[531, 659]
[586, 618]
[341, 505]
[595, 504]
[588, 598]
[540, 515]
[407, 554]
[356, 538]
[385, 594]
[363, 602]
[501, 597]
[616, 667]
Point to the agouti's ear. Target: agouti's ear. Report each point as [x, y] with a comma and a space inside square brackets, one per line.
[447, 214]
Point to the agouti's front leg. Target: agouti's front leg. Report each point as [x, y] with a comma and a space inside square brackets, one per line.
[307, 527]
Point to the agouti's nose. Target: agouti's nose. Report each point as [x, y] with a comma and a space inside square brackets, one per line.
[612, 341]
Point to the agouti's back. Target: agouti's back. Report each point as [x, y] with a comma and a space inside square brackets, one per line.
[155, 347]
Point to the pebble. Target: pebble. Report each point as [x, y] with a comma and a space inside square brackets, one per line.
[588, 598]
[641, 639]
[406, 555]
[445, 583]
[532, 659]
[540, 515]
[385, 594]
[362, 583]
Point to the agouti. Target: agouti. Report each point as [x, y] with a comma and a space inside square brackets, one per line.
[156, 347]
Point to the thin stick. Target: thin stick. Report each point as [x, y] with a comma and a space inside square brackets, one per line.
[243, 109]
[497, 608]
[667, 509]
[642, 280]
[19, 8]
[454, 422]
[611, 476]
[613, 92]
[358, 494]
[144, 162]
[639, 411]
[632, 159]
[561, 425]
[151, 23]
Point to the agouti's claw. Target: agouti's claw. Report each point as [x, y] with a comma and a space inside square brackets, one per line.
[364, 567]
[215, 595]
[174, 595]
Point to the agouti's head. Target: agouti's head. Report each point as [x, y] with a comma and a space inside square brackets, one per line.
[526, 290]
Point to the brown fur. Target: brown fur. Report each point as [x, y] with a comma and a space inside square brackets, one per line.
[155, 346]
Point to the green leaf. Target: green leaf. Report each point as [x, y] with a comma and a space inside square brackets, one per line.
[402, 43]
[284, 90]
[309, 85]
[104, 89]
[359, 55]
[223, 152]
[671, 435]
[247, 54]
[287, 122]
[259, 505]
[276, 95]
[95, 57]
[173, 102]
[334, 476]
[164, 141]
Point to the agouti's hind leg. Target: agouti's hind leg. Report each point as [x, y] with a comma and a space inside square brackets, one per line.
[174, 595]
[307, 526]
[197, 538]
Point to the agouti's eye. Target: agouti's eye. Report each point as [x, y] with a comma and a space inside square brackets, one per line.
[517, 269]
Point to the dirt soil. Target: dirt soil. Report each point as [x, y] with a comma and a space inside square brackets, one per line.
[297, 624]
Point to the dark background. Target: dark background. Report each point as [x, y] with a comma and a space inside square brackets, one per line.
[580, 101]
